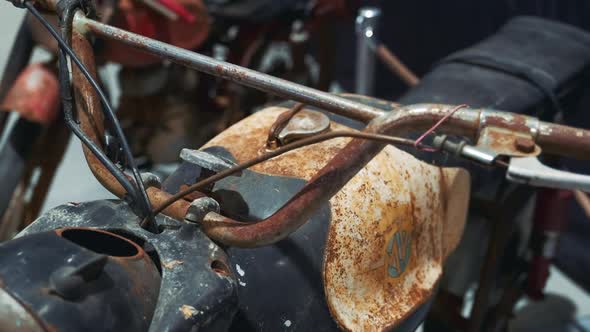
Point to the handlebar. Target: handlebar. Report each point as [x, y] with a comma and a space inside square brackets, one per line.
[553, 138]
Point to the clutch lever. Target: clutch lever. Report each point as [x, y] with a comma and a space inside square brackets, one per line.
[530, 171]
[525, 170]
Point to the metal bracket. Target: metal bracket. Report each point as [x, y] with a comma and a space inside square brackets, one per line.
[305, 124]
[206, 160]
[531, 171]
[508, 142]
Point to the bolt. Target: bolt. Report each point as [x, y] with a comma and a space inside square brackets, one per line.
[151, 180]
[525, 145]
[200, 207]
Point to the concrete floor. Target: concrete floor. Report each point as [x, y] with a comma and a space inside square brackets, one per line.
[74, 182]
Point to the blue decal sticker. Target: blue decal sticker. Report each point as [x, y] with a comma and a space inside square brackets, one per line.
[398, 252]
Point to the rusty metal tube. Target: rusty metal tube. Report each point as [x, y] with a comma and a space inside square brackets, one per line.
[396, 65]
[235, 73]
[89, 112]
[552, 138]
[564, 141]
[91, 122]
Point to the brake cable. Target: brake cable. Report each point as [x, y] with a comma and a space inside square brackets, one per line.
[282, 150]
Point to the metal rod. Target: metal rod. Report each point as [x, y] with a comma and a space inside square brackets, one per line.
[396, 65]
[502, 222]
[160, 9]
[235, 73]
[366, 30]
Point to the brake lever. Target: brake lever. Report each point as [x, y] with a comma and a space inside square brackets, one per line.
[530, 171]
[524, 170]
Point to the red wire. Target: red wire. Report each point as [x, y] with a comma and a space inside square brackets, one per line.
[436, 125]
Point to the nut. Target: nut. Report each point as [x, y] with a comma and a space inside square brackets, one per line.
[525, 145]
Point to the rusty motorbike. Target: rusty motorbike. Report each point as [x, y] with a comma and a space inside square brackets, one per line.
[156, 101]
[290, 219]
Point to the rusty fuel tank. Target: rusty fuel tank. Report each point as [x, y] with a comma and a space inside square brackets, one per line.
[370, 260]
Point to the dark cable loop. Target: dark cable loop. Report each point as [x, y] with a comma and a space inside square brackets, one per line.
[66, 96]
[71, 122]
[65, 49]
[66, 11]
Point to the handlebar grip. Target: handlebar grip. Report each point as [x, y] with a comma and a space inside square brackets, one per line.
[564, 141]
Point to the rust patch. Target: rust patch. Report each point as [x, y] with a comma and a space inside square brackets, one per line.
[507, 142]
[564, 141]
[513, 122]
[390, 210]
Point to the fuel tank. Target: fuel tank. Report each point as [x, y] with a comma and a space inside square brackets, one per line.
[369, 260]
